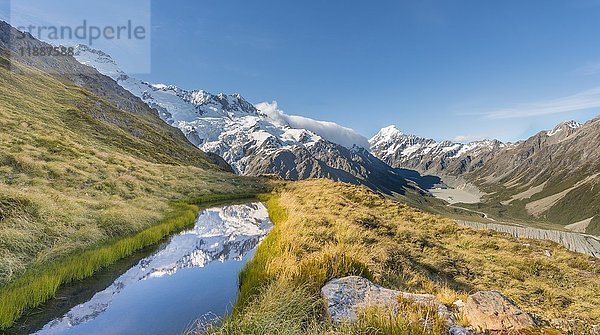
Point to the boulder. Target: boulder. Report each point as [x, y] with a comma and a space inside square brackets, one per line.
[345, 297]
[491, 311]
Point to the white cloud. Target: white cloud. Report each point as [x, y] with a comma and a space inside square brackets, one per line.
[583, 100]
[328, 130]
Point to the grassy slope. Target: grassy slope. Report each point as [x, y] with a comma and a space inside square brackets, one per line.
[76, 173]
[325, 230]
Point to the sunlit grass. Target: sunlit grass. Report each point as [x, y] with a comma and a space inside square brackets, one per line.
[83, 183]
[40, 284]
[323, 230]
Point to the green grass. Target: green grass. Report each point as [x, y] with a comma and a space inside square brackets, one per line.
[83, 184]
[40, 284]
[323, 230]
[75, 171]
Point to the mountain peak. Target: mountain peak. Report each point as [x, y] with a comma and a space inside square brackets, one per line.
[571, 124]
[568, 127]
[391, 130]
[386, 134]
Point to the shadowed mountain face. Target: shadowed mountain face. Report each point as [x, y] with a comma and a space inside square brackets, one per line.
[333, 161]
[425, 182]
[251, 141]
[552, 176]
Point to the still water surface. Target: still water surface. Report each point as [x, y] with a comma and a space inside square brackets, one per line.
[193, 276]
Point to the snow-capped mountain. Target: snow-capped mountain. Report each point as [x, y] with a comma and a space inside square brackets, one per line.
[447, 157]
[426, 155]
[226, 125]
[544, 176]
[564, 129]
[257, 141]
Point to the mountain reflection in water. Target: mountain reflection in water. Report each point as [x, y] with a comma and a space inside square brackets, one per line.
[212, 252]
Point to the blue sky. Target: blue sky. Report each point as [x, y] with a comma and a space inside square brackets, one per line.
[442, 69]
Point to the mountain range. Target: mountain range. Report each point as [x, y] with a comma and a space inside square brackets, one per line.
[536, 179]
[541, 178]
[553, 176]
[254, 141]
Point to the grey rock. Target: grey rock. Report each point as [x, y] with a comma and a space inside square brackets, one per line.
[345, 297]
[491, 311]
[459, 304]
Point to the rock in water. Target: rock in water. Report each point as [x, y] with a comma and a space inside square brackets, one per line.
[490, 310]
[345, 297]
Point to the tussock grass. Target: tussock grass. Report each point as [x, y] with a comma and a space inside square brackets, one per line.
[278, 308]
[324, 230]
[40, 284]
[77, 175]
[416, 319]
[75, 171]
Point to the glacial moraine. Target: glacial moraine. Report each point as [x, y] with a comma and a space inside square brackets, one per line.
[586, 244]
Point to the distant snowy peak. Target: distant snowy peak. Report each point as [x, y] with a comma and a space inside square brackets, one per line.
[206, 102]
[389, 132]
[392, 135]
[566, 127]
[425, 154]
